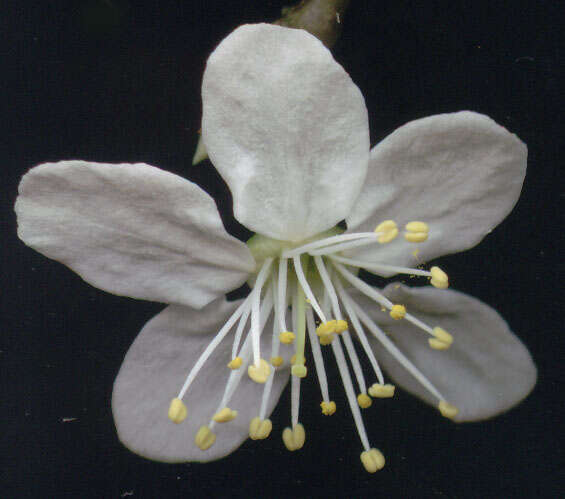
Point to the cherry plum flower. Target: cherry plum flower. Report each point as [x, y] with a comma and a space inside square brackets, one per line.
[288, 131]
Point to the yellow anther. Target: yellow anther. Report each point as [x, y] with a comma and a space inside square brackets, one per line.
[417, 227]
[387, 237]
[328, 408]
[447, 410]
[294, 438]
[326, 328]
[259, 429]
[398, 312]
[416, 237]
[373, 460]
[386, 226]
[442, 335]
[416, 232]
[439, 278]
[388, 231]
[341, 326]
[235, 363]
[204, 438]
[299, 370]
[277, 361]
[327, 339]
[177, 411]
[225, 415]
[381, 391]
[364, 400]
[438, 344]
[287, 337]
[261, 373]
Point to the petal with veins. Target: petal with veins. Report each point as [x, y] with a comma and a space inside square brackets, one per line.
[486, 371]
[153, 371]
[461, 173]
[283, 123]
[131, 229]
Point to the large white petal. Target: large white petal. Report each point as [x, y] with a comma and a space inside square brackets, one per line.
[461, 173]
[131, 229]
[154, 370]
[287, 129]
[486, 371]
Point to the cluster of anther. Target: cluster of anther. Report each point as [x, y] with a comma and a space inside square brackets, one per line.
[331, 271]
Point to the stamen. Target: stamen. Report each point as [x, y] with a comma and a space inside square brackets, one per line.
[286, 337]
[276, 360]
[348, 385]
[381, 391]
[177, 411]
[265, 396]
[326, 328]
[380, 269]
[447, 410]
[260, 429]
[394, 351]
[236, 376]
[318, 359]
[328, 408]
[204, 439]
[281, 294]
[360, 332]
[398, 312]
[350, 392]
[388, 230]
[329, 289]
[260, 373]
[364, 400]
[439, 278]
[372, 239]
[294, 399]
[239, 331]
[373, 460]
[306, 288]
[255, 313]
[320, 243]
[299, 306]
[416, 232]
[225, 415]
[235, 363]
[294, 438]
[442, 339]
[363, 286]
[212, 346]
[384, 301]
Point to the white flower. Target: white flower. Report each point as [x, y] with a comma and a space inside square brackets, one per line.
[287, 129]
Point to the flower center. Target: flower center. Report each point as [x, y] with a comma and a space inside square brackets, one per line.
[304, 285]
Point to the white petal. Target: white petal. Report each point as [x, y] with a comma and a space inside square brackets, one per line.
[287, 129]
[486, 371]
[131, 229]
[154, 370]
[461, 173]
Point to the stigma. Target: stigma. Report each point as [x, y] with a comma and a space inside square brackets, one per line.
[305, 288]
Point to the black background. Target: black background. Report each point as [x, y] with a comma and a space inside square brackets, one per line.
[119, 82]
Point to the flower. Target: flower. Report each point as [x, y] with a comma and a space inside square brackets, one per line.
[287, 129]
